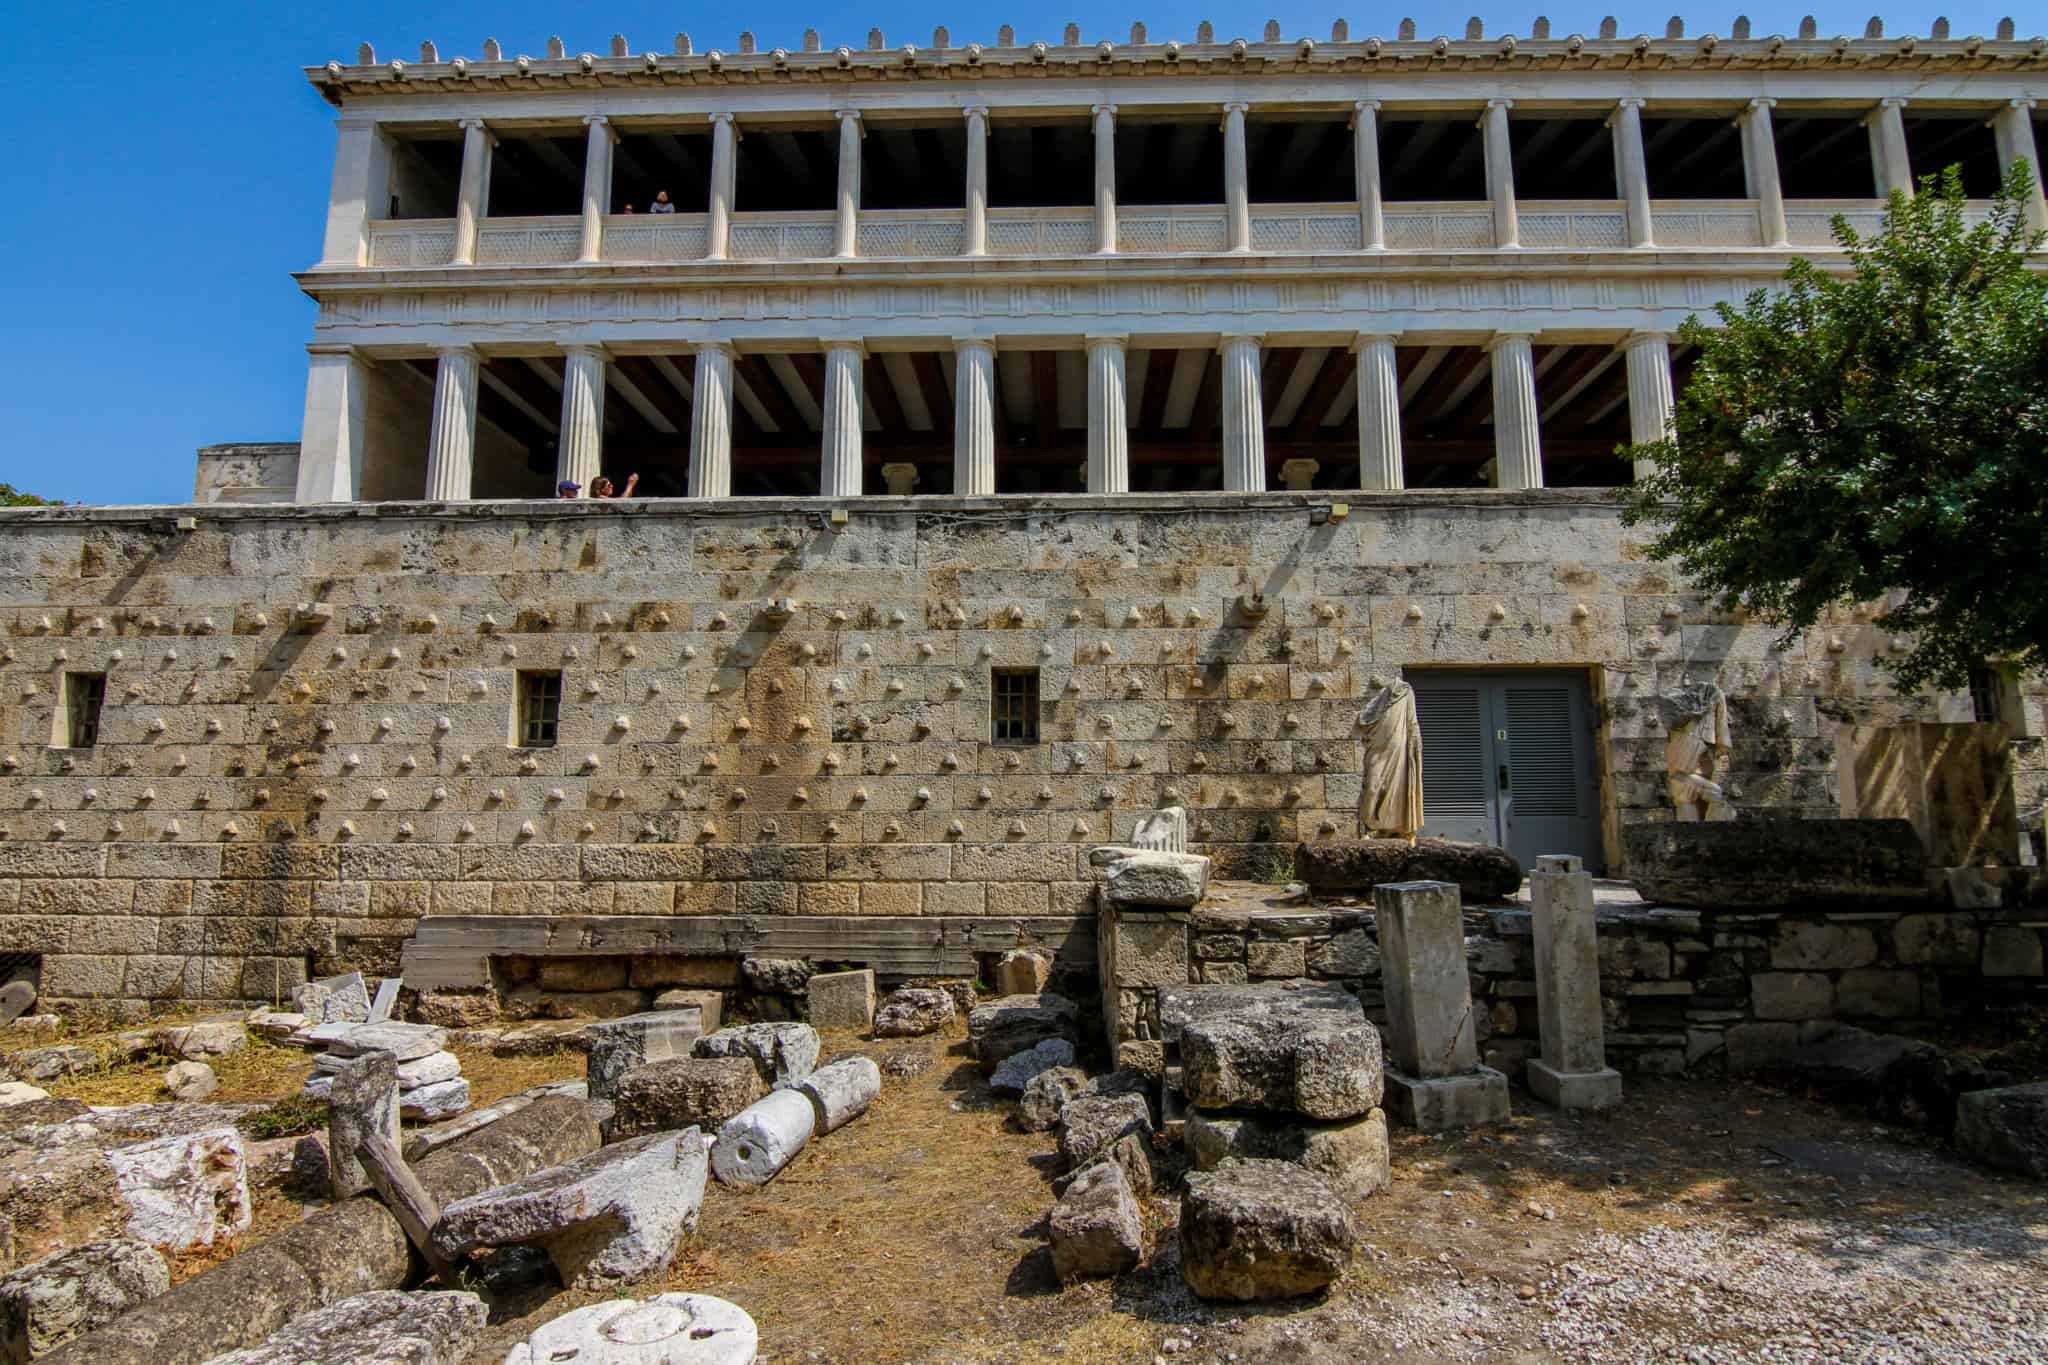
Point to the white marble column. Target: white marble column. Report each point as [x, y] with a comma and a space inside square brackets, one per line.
[359, 192]
[2013, 128]
[1650, 404]
[724, 166]
[1237, 203]
[846, 221]
[839, 470]
[1365, 150]
[711, 422]
[331, 437]
[1379, 414]
[1500, 173]
[974, 241]
[474, 185]
[1109, 436]
[1760, 172]
[451, 435]
[580, 446]
[1631, 171]
[974, 418]
[1887, 124]
[1105, 177]
[1244, 417]
[597, 186]
[1517, 444]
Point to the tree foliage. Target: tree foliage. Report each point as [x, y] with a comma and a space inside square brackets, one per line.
[1878, 436]
[10, 497]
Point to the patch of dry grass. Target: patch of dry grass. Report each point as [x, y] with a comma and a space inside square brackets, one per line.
[261, 1072]
[493, 1078]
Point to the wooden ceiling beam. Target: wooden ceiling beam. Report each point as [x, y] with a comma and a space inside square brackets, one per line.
[1338, 368]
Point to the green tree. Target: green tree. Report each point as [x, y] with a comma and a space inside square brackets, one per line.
[10, 497]
[1879, 435]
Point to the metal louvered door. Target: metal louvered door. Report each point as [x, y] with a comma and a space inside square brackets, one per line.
[1508, 759]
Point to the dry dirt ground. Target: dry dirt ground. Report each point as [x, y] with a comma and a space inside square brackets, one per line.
[1701, 1222]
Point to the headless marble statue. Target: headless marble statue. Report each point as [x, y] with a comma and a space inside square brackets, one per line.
[1698, 714]
[1393, 760]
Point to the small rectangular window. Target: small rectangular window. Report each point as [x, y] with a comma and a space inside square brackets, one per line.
[84, 694]
[1013, 706]
[540, 709]
[1983, 695]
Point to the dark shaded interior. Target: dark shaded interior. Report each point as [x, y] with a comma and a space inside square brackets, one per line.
[646, 163]
[1694, 158]
[914, 166]
[426, 177]
[783, 170]
[1562, 158]
[537, 175]
[1177, 161]
[1823, 157]
[1300, 161]
[1040, 165]
[1440, 157]
[1934, 142]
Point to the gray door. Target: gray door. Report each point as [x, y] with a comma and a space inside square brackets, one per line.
[1507, 758]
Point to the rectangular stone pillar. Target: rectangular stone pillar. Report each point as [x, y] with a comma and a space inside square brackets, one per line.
[839, 470]
[1517, 441]
[597, 186]
[1760, 172]
[474, 186]
[2013, 129]
[1105, 177]
[451, 433]
[1887, 126]
[1434, 1080]
[724, 167]
[1379, 414]
[579, 451]
[1650, 404]
[1365, 151]
[1631, 170]
[1237, 206]
[974, 240]
[359, 192]
[974, 418]
[1572, 1073]
[331, 438]
[1109, 450]
[1500, 173]
[711, 422]
[846, 220]
[363, 1102]
[1244, 417]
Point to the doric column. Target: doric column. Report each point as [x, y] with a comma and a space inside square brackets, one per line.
[1379, 414]
[580, 447]
[724, 164]
[1887, 124]
[1649, 390]
[1105, 177]
[1500, 173]
[2013, 129]
[839, 473]
[1760, 171]
[1517, 445]
[597, 186]
[331, 438]
[469, 197]
[974, 241]
[1109, 437]
[846, 223]
[1237, 204]
[1631, 172]
[711, 422]
[1244, 417]
[451, 436]
[974, 418]
[359, 192]
[1365, 144]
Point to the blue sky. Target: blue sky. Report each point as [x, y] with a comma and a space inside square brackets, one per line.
[171, 170]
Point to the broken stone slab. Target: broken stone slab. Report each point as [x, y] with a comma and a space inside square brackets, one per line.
[1016, 1071]
[52, 1063]
[841, 1092]
[1022, 971]
[669, 1329]
[405, 1042]
[1320, 1064]
[383, 1327]
[207, 1038]
[1353, 867]
[386, 999]
[1096, 1228]
[20, 1092]
[2006, 1128]
[1770, 864]
[1256, 1229]
[276, 1025]
[61, 1297]
[1047, 1094]
[362, 1099]
[432, 1103]
[710, 1005]
[616, 1214]
[341, 999]
[755, 1144]
[547, 1039]
[1437, 1104]
[1136, 878]
[616, 1046]
[431, 1069]
[15, 999]
[841, 1000]
[190, 1081]
[681, 1092]
[1893, 1079]
[776, 975]
[1113, 1127]
[422, 1142]
[783, 1053]
[1016, 1023]
[1352, 1155]
[913, 1011]
[184, 1191]
[1178, 1005]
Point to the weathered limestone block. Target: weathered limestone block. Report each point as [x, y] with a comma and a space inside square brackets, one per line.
[1004, 1027]
[1181, 1005]
[1771, 863]
[333, 1000]
[1943, 938]
[64, 1296]
[1481, 872]
[913, 1011]
[20, 1092]
[2006, 1128]
[433, 1102]
[1352, 1155]
[617, 1046]
[1320, 1064]
[1022, 971]
[843, 1000]
[385, 1325]
[669, 1329]
[362, 1100]
[1096, 1228]
[1141, 878]
[1434, 1080]
[2012, 950]
[1802, 946]
[1792, 995]
[1017, 1071]
[405, 1042]
[616, 1214]
[184, 1191]
[208, 1038]
[1252, 1230]
[277, 1025]
[1113, 1127]
[51, 1063]
[776, 975]
[755, 1144]
[190, 1082]
[681, 1092]
[710, 1005]
[841, 1092]
[1572, 1073]
[1046, 1094]
[782, 1053]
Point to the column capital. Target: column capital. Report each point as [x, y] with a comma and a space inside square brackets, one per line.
[340, 348]
[1892, 102]
[1646, 338]
[844, 114]
[1503, 338]
[462, 349]
[1365, 106]
[714, 344]
[2023, 102]
[1763, 102]
[1100, 109]
[974, 111]
[721, 116]
[1237, 106]
[596, 121]
[1094, 339]
[586, 348]
[468, 123]
[1500, 102]
[854, 344]
[1229, 339]
[969, 343]
[1365, 339]
[1630, 102]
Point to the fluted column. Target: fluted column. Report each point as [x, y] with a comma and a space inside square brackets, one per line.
[469, 196]
[580, 447]
[1650, 403]
[1517, 444]
[1244, 417]
[711, 422]
[839, 470]
[1237, 204]
[1379, 414]
[1365, 147]
[2013, 129]
[451, 435]
[846, 222]
[1105, 177]
[1887, 125]
[724, 165]
[1109, 437]
[974, 418]
[597, 186]
[1631, 171]
[974, 241]
[331, 436]
[1760, 172]
[1500, 173]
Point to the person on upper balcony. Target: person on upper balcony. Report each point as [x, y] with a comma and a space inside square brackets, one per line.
[601, 487]
[661, 203]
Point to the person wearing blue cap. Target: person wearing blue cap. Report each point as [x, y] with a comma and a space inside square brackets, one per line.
[568, 488]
